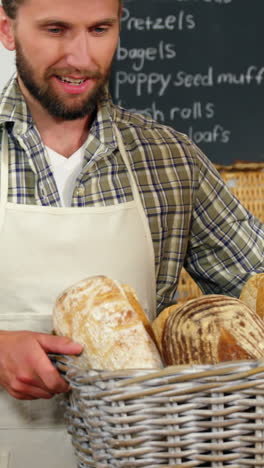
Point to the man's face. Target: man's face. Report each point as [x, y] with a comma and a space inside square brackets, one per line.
[64, 52]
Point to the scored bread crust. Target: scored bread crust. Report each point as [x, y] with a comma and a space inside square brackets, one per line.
[212, 329]
[158, 323]
[106, 318]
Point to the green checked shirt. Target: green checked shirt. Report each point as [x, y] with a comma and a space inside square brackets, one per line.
[194, 219]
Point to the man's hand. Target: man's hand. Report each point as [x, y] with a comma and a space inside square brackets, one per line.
[25, 369]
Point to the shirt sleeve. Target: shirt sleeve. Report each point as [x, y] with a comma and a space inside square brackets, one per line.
[226, 241]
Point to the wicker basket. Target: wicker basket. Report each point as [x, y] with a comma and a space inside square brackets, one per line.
[192, 416]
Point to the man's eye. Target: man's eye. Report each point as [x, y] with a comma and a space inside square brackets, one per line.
[54, 30]
[100, 29]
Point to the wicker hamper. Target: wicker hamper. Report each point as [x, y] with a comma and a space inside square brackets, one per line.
[188, 416]
[248, 187]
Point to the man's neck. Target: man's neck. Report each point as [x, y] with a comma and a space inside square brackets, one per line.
[63, 136]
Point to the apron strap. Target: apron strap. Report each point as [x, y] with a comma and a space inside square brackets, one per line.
[3, 178]
[4, 169]
[143, 216]
[123, 152]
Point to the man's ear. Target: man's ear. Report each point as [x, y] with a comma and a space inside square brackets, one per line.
[7, 30]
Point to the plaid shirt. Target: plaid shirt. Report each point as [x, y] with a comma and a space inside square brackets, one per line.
[194, 220]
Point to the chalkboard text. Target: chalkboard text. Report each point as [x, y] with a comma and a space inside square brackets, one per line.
[170, 23]
[139, 56]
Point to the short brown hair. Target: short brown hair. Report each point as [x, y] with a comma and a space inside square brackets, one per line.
[10, 7]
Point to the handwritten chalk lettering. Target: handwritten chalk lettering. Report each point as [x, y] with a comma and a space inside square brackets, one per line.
[217, 134]
[142, 82]
[153, 112]
[253, 74]
[141, 55]
[170, 23]
[196, 111]
[189, 80]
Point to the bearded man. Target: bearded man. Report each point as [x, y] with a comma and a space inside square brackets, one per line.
[89, 188]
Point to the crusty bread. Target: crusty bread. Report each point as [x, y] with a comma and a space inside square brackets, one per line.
[253, 293]
[260, 297]
[107, 319]
[159, 323]
[212, 329]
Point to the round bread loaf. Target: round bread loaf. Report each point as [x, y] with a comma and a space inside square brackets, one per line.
[159, 322]
[106, 318]
[212, 329]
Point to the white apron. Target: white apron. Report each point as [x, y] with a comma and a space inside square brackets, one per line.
[43, 250]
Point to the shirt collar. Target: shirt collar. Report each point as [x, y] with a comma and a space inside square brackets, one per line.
[13, 108]
[15, 112]
[102, 127]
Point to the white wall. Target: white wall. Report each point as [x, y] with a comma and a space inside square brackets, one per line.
[7, 65]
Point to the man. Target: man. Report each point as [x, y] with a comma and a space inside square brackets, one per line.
[88, 188]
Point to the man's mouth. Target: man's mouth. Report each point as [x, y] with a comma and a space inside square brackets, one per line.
[72, 81]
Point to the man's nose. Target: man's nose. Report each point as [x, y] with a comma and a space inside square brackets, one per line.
[78, 54]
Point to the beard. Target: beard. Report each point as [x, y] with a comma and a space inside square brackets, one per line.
[49, 99]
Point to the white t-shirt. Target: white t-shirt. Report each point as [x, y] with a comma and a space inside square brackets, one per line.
[66, 171]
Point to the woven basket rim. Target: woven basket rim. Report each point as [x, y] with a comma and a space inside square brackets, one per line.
[228, 371]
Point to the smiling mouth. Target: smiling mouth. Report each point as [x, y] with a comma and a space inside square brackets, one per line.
[72, 81]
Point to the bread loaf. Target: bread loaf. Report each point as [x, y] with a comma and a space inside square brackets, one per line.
[107, 319]
[260, 298]
[212, 329]
[159, 322]
[253, 294]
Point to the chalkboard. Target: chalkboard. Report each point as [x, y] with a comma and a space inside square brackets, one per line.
[198, 66]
